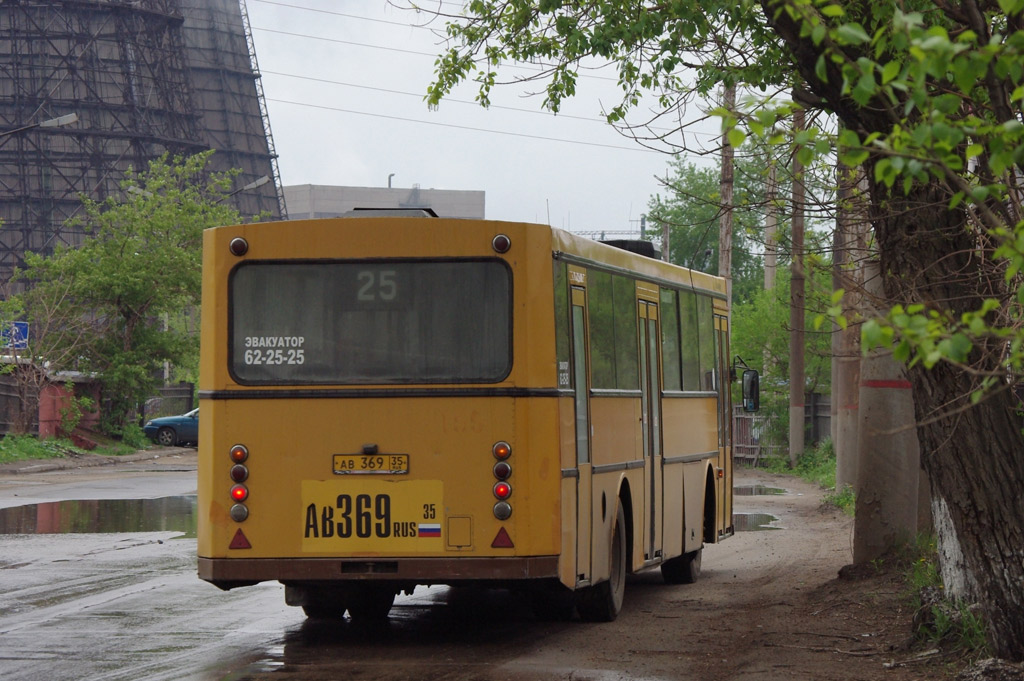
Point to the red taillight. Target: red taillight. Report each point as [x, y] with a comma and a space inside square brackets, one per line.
[238, 246]
[239, 453]
[502, 450]
[239, 493]
[502, 490]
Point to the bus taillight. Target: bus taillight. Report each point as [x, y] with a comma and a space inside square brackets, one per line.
[239, 473]
[502, 510]
[502, 450]
[502, 471]
[239, 493]
[502, 490]
[239, 453]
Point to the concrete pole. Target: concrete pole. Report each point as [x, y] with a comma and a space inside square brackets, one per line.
[771, 218]
[889, 471]
[797, 298]
[726, 194]
[850, 220]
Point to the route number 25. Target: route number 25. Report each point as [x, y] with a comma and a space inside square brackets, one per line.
[377, 285]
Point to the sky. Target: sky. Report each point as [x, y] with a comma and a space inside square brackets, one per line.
[344, 82]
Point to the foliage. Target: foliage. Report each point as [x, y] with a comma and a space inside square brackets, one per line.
[133, 436]
[139, 267]
[59, 333]
[760, 333]
[939, 621]
[74, 408]
[929, 96]
[692, 209]
[28, 447]
[818, 465]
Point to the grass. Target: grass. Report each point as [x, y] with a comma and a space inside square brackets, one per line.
[818, 465]
[28, 447]
[940, 622]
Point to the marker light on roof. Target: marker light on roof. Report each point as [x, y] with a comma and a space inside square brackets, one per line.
[501, 243]
[238, 246]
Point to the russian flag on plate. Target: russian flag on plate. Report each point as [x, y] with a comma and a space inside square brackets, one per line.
[432, 530]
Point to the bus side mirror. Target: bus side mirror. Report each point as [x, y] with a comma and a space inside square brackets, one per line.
[751, 390]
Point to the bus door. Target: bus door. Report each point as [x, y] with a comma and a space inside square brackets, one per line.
[650, 382]
[724, 424]
[584, 506]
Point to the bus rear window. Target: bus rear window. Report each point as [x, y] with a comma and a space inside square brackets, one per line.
[371, 322]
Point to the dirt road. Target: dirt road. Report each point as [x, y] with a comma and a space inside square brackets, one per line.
[768, 606]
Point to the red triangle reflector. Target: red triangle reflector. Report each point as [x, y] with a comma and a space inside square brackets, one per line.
[501, 540]
[240, 542]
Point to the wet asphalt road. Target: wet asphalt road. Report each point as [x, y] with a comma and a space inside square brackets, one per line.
[98, 581]
[82, 596]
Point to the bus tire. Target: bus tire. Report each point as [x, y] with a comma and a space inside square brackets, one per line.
[370, 603]
[684, 569]
[603, 602]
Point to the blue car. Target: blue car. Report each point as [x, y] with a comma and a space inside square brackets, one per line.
[174, 430]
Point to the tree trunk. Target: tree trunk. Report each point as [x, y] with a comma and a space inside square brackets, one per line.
[973, 454]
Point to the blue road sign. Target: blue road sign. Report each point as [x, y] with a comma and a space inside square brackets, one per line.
[15, 335]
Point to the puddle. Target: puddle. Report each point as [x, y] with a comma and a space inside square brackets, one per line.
[757, 491]
[754, 522]
[175, 514]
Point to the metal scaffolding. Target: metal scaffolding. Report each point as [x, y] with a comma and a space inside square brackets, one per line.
[144, 77]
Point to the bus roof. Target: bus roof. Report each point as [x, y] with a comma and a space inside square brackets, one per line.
[575, 248]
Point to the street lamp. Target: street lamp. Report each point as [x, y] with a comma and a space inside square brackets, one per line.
[259, 182]
[58, 122]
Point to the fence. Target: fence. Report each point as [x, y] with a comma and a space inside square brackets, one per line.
[755, 435]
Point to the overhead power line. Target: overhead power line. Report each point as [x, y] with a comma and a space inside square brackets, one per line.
[465, 127]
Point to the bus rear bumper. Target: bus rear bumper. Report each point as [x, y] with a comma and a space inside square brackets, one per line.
[230, 572]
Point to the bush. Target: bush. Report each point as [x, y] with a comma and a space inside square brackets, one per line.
[133, 436]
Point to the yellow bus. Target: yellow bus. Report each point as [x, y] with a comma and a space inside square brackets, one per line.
[392, 401]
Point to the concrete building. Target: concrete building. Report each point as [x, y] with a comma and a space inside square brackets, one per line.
[324, 201]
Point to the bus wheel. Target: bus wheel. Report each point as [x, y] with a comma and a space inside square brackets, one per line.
[370, 603]
[684, 569]
[602, 602]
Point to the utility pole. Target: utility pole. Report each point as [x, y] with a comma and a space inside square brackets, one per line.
[726, 194]
[848, 255]
[771, 219]
[796, 307]
[892, 498]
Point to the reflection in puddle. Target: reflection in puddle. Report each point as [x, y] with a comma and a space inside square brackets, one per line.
[175, 514]
[754, 522]
[757, 490]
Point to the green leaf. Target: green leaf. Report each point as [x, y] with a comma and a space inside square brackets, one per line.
[890, 71]
[852, 34]
[736, 138]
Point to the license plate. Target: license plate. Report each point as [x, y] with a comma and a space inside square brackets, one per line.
[371, 464]
[371, 515]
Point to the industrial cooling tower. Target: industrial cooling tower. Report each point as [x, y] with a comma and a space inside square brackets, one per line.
[89, 88]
